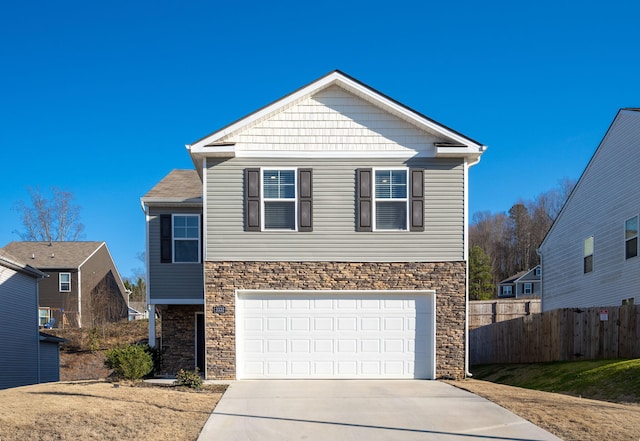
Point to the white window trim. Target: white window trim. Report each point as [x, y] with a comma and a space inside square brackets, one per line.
[593, 250]
[627, 239]
[374, 199]
[510, 293]
[174, 239]
[527, 285]
[60, 282]
[263, 199]
[538, 271]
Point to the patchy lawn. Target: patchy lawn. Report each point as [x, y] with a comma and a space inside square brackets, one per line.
[98, 410]
[569, 418]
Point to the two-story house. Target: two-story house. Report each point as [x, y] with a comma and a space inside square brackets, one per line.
[83, 287]
[590, 256]
[322, 236]
[522, 284]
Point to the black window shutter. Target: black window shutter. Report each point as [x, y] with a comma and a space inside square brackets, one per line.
[252, 199]
[364, 199]
[416, 201]
[305, 199]
[166, 253]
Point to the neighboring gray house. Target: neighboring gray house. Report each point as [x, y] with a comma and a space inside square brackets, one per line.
[523, 284]
[590, 255]
[83, 287]
[26, 355]
[323, 236]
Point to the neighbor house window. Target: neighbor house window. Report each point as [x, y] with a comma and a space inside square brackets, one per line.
[65, 282]
[631, 237]
[538, 271]
[506, 290]
[44, 315]
[528, 288]
[186, 238]
[391, 200]
[588, 255]
[279, 201]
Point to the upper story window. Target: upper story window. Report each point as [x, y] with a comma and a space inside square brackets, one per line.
[588, 255]
[186, 238]
[538, 271]
[631, 237]
[279, 201]
[180, 238]
[528, 288]
[389, 199]
[64, 282]
[391, 202]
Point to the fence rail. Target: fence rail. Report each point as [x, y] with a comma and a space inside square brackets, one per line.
[559, 335]
[486, 312]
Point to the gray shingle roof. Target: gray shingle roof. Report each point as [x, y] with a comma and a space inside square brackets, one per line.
[44, 255]
[179, 185]
[9, 261]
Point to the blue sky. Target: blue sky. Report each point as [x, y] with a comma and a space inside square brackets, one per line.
[99, 98]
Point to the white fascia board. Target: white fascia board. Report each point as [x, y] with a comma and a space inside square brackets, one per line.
[332, 154]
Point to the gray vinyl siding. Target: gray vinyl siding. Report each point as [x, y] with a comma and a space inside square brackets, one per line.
[334, 237]
[49, 362]
[19, 328]
[175, 281]
[605, 197]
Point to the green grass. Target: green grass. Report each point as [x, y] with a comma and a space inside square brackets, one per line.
[609, 380]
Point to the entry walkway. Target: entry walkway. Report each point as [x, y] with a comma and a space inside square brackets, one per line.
[369, 410]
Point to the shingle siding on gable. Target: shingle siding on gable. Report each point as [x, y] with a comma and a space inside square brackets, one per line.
[334, 237]
[605, 197]
[333, 120]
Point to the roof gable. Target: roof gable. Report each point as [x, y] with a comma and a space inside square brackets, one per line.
[62, 255]
[347, 106]
[597, 166]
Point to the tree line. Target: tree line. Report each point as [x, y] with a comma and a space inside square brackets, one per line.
[503, 244]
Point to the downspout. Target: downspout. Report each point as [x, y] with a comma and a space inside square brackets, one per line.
[467, 165]
[539, 253]
[150, 307]
[79, 298]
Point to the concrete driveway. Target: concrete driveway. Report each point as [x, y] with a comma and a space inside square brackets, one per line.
[370, 410]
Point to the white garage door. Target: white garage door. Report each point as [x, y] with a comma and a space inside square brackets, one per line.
[335, 335]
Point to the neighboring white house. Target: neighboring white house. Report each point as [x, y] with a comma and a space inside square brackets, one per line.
[590, 255]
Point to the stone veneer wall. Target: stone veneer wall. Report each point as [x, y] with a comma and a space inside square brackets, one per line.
[178, 337]
[222, 279]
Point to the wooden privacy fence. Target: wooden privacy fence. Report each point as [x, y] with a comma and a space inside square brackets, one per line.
[486, 312]
[559, 335]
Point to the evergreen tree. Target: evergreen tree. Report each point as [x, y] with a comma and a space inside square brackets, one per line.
[480, 275]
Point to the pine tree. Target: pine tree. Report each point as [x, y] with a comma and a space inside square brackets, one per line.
[480, 275]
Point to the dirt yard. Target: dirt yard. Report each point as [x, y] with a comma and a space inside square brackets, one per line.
[569, 418]
[97, 410]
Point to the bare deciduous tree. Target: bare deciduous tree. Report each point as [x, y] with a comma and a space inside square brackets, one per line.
[51, 219]
[511, 240]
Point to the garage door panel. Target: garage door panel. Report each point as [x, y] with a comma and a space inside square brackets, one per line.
[317, 336]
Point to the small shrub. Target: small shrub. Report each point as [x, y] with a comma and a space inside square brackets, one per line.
[129, 362]
[93, 340]
[189, 379]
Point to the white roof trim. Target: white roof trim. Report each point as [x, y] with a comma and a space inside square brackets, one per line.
[203, 146]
